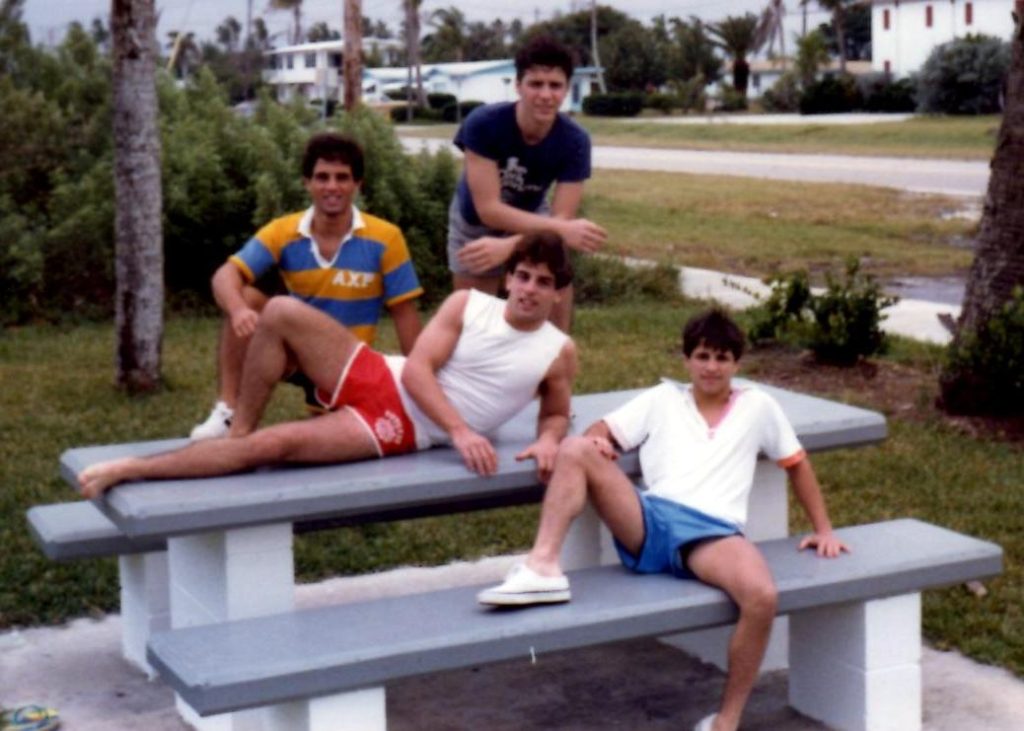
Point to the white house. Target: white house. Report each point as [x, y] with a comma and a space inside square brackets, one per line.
[765, 72]
[483, 81]
[313, 70]
[904, 32]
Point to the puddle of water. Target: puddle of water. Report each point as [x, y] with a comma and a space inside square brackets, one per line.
[946, 290]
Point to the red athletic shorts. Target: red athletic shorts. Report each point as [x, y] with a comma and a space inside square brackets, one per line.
[367, 389]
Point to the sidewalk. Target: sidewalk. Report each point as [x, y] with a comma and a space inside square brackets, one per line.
[633, 686]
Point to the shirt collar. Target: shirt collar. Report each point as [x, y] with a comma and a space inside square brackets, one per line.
[306, 230]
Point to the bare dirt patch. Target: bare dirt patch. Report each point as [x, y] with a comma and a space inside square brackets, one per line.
[899, 391]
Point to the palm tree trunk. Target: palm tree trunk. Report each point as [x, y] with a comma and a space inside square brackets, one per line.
[998, 265]
[138, 237]
[352, 65]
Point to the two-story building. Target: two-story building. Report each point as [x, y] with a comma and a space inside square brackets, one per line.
[313, 70]
[904, 32]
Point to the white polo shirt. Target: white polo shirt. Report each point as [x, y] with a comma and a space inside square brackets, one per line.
[708, 468]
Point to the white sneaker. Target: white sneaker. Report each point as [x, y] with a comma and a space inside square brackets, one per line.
[217, 424]
[524, 586]
[705, 724]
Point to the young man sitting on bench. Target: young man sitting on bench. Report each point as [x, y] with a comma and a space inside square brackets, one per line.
[698, 449]
[478, 362]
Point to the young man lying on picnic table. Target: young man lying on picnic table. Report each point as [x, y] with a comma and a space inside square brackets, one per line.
[478, 362]
[698, 449]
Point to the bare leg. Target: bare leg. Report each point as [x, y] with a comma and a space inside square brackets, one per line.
[490, 285]
[736, 566]
[290, 333]
[581, 469]
[231, 351]
[335, 437]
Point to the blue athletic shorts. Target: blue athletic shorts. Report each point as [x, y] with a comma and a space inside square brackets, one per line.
[671, 531]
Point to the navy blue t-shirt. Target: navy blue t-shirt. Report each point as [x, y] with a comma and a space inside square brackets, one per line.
[527, 171]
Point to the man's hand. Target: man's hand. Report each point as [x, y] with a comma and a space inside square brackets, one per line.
[543, 451]
[582, 235]
[485, 253]
[827, 544]
[476, 450]
[243, 321]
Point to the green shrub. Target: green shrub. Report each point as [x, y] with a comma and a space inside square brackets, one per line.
[964, 76]
[439, 100]
[419, 114]
[453, 113]
[691, 94]
[984, 370]
[840, 325]
[784, 94]
[883, 94]
[731, 100]
[831, 95]
[626, 104]
[663, 103]
[603, 280]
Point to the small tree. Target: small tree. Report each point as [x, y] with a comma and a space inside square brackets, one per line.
[964, 76]
[737, 36]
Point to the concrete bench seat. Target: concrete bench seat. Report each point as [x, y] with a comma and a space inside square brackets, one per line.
[71, 531]
[854, 634]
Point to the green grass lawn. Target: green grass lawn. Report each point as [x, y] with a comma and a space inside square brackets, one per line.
[757, 227]
[56, 392]
[969, 138]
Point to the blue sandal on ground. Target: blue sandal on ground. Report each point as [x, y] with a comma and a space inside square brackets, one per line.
[29, 718]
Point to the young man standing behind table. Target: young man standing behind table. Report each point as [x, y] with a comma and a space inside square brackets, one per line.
[514, 152]
[346, 263]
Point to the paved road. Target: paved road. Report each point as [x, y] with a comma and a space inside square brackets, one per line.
[945, 177]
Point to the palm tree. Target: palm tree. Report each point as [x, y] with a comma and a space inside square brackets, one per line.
[448, 41]
[998, 266]
[736, 35]
[296, 7]
[838, 10]
[411, 28]
[184, 52]
[769, 28]
[138, 236]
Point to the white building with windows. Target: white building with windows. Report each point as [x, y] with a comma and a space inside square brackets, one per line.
[904, 32]
[313, 70]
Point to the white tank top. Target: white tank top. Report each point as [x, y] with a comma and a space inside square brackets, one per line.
[494, 371]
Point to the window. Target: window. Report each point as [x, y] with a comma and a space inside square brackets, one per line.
[310, 60]
[289, 61]
[888, 67]
[927, 16]
[968, 13]
[334, 60]
[755, 81]
[885, 19]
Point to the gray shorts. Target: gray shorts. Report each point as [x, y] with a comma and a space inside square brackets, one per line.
[461, 232]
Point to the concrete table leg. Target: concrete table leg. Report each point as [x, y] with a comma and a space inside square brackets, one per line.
[220, 576]
[358, 710]
[768, 517]
[857, 667]
[145, 604]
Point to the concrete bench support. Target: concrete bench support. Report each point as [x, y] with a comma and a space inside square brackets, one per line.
[235, 574]
[857, 666]
[145, 603]
[358, 710]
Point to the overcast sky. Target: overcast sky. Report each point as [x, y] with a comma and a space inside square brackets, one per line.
[48, 19]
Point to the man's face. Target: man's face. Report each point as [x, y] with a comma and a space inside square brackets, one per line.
[331, 188]
[531, 294]
[711, 370]
[541, 92]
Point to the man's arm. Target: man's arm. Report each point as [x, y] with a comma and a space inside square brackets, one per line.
[808, 492]
[228, 284]
[484, 182]
[553, 416]
[432, 350]
[406, 316]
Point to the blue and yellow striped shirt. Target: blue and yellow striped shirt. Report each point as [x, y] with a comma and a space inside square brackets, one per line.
[371, 269]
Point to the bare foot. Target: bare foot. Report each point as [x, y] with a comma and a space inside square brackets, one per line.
[96, 479]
